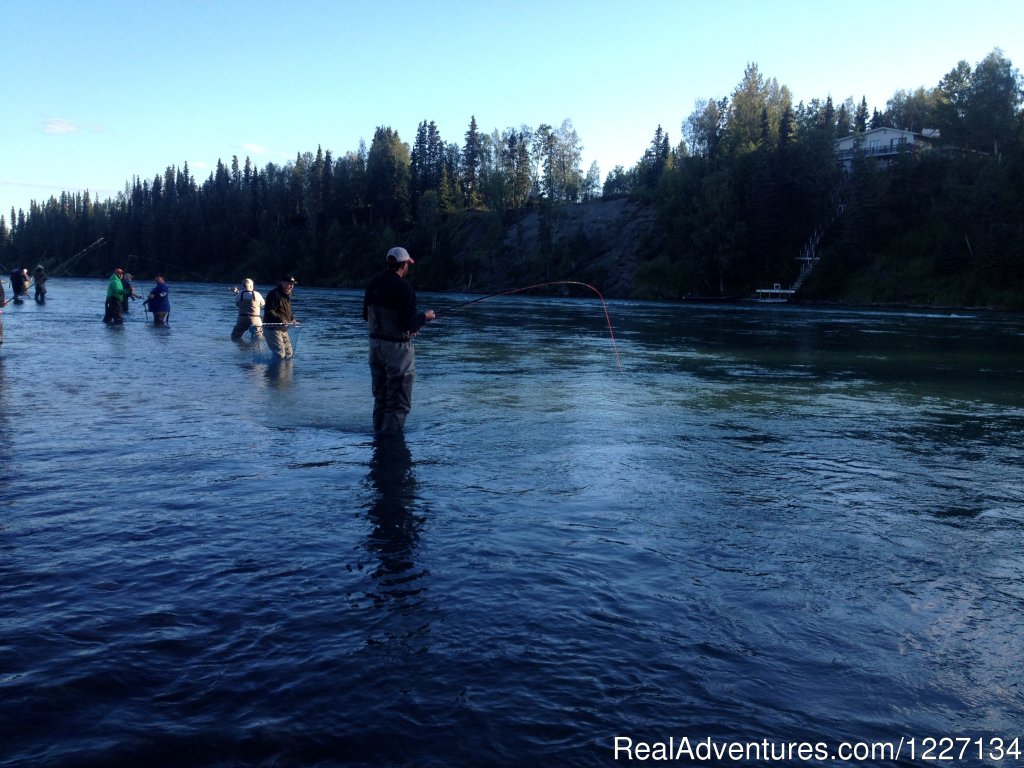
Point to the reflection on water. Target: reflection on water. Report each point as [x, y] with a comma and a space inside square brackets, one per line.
[279, 372]
[6, 407]
[395, 529]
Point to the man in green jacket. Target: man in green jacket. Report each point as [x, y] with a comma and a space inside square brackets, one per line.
[113, 311]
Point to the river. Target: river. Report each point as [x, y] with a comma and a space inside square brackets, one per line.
[727, 525]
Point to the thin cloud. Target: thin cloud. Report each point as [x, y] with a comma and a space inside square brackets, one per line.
[256, 149]
[58, 126]
[25, 184]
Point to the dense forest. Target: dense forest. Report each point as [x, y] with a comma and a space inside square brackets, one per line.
[751, 181]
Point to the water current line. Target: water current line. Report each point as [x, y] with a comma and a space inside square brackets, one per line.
[604, 305]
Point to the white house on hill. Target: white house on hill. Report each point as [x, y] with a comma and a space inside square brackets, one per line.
[883, 144]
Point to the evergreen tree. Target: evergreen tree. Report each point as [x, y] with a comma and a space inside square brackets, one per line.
[617, 183]
[387, 177]
[655, 159]
[419, 163]
[435, 156]
[786, 129]
[765, 142]
[328, 185]
[488, 171]
[351, 185]
[427, 159]
[843, 122]
[471, 158]
[445, 193]
[316, 185]
[517, 166]
[860, 120]
[827, 121]
[296, 188]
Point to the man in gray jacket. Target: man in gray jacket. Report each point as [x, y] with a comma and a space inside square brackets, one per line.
[389, 307]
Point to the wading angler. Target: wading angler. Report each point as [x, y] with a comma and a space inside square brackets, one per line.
[389, 308]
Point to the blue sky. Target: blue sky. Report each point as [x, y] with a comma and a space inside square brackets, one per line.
[94, 93]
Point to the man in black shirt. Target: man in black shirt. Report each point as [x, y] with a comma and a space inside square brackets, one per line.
[389, 307]
[278, 315]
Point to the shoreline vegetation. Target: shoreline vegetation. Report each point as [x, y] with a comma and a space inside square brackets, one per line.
[723, 211]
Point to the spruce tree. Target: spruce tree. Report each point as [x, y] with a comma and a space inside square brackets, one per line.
[471, 159]
[860, 119]
[387, 177]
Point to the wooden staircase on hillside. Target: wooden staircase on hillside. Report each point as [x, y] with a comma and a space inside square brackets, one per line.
[810, 254]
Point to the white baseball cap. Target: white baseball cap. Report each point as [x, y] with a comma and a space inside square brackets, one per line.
[399, 254]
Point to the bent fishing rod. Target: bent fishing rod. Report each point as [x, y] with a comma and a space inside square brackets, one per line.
[611, 333]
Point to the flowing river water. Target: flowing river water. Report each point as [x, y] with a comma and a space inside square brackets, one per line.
[771, 526]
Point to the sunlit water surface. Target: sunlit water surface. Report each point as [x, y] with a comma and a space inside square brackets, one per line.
[771, 523]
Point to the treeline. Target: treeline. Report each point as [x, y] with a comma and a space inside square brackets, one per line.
[324, 217]
[751, 177]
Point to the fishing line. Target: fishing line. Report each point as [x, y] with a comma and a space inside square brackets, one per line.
[604, 305]
[167, 267]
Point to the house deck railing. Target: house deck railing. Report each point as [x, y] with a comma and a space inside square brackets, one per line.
[846, 154]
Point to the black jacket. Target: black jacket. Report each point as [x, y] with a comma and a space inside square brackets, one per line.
[278, 308]
[389, 306]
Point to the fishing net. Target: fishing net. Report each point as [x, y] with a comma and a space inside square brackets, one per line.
[260, 348]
